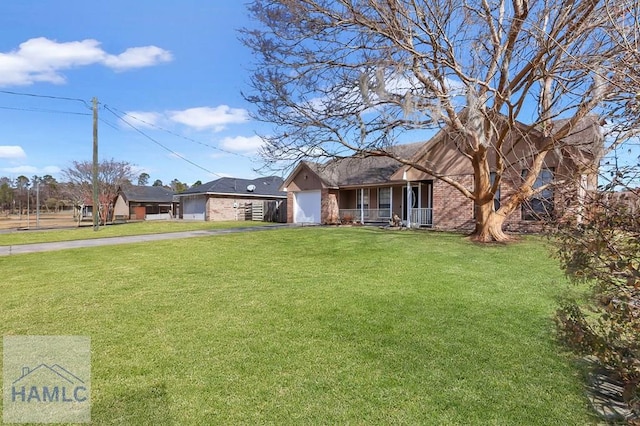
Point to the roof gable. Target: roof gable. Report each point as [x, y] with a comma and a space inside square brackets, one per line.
[444, 156]
[358, 170]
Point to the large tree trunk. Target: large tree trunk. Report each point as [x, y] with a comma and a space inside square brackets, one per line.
[488, 224]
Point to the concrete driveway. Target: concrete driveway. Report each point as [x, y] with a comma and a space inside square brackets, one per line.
[63, 245]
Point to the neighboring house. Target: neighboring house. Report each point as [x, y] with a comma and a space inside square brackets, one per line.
[145, 203]
[235, 199]
[83, 209]
[373, 189]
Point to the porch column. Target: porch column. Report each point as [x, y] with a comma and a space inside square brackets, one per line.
[420, 215]
[362, 206]
[390, 202]
[409, 203]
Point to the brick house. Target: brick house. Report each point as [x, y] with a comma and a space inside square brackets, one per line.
[233, 199]
[373, 189]
[145, 203]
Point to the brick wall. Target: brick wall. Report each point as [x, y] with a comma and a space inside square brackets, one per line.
[451, 209]
[290, 207]
[228, 208]
[329, 211]
[219, 209]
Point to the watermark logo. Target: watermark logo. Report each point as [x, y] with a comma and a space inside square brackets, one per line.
[46, 379]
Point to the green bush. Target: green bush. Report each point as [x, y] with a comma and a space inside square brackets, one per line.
[604, 251]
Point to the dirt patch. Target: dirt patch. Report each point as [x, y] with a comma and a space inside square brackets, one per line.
[46, 221]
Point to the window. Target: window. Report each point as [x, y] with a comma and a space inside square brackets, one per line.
[362, 195]
[539, 206]
[496, 197]
[384, 202]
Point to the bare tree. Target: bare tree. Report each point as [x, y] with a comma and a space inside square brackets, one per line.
[111, 175]
[511, 81]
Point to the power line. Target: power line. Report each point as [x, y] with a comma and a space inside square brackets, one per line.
[109, 124]
[182, 136]
[49, 111]
[120, 117]
[160, 144]
[34, 95]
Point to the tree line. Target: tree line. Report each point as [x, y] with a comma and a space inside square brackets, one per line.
[75, 191]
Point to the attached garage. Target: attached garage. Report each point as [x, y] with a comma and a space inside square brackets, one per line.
[233, 199]
[307, 207]
[193, 208]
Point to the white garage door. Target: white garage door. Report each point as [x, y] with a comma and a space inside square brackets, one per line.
[194, 208]
[306, 207]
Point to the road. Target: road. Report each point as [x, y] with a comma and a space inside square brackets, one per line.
[96, 242]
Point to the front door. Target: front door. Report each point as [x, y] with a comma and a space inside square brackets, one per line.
[409, 201]
[139, 212]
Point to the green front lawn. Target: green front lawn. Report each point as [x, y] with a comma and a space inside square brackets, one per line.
[135, 228]
[306, 326]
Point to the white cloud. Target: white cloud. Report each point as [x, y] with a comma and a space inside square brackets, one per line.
[50, 170]
[242, 143]
[31, 170]
[138, 57]
[43, 60]
[210, 118]
[142, 118]
[138, 170]
[217, 175]
[12, 151]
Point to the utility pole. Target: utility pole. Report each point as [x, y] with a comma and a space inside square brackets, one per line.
[28, 217]
[96, 201]
[37, 202]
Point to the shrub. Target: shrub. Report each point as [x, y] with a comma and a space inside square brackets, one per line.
[347, 219]
[604, 251]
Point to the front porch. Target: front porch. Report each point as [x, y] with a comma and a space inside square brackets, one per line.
[412, 203]
[419, 217]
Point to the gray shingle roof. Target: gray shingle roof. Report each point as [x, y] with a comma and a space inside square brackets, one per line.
[363, 170]
[148, 194]
[265, 186]
[585, 141]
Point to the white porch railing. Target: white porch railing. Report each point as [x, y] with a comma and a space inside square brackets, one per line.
[158, 216]
[421, 217]
[193, 216]
[370, 215]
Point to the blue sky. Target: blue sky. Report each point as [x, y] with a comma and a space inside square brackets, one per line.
[177, 67]
[174, 70]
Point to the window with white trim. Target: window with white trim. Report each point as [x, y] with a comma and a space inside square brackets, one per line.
[362, 195]
[384, 202]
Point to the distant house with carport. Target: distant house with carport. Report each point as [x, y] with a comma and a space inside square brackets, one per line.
[145, 203]
[235, 199]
